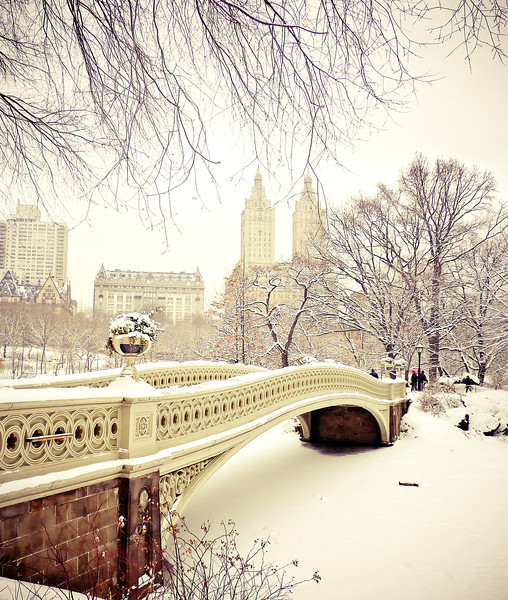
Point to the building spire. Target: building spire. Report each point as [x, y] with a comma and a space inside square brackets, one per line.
[258, 195]
[308, 193]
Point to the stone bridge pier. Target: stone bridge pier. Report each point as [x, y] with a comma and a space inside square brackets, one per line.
[89, 474]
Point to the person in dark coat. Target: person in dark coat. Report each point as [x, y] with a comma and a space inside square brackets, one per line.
[469, 383]
[414, 382]
[422, 379]
[374, 374]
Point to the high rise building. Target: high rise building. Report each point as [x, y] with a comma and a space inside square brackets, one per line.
[258, 228]
[31, 249]
[308, 220]
[179, 295]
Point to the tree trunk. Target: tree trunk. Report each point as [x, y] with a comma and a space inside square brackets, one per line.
[434, 336]
[482, 368]
[482, 360]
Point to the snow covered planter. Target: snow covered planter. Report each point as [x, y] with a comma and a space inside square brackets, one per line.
[394, 365]
[130, 335]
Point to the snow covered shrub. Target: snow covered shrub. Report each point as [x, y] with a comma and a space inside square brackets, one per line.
[212, 566]
[484, 413]
[438, 398]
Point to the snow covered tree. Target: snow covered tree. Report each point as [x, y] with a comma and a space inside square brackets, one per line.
[367, 297]
[183, 340]
[14, 331]
[456, 212]
[285, 301]
[481, 297]
[266, 314]
[43, 327]
[237, 338]
[79, 341]
[394, 253]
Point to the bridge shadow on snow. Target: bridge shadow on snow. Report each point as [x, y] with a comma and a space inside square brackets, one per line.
[338, 449]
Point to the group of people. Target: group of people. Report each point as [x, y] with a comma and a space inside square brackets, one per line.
[417, 381]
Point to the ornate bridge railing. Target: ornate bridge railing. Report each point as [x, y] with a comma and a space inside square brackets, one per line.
[159, 375]
[53, 429]
[206, 409]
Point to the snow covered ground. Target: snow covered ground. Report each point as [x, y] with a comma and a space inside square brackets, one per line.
[345, 513]
[21, 590]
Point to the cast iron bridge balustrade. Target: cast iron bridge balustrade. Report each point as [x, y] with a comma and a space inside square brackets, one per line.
[163, 443]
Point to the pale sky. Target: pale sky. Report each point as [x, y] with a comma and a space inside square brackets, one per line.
[462, 116]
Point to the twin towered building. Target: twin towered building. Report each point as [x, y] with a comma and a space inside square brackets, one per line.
[258, 225]
[181, 295]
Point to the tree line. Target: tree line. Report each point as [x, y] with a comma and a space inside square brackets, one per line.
[423, 262]
[39, 340]
[36, 340]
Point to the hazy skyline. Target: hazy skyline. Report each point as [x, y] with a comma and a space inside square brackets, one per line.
[461, 116]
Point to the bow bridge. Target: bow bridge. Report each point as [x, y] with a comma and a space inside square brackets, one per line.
[106, 458]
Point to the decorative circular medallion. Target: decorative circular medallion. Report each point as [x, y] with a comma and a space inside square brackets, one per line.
[144, 498]
[142, 426]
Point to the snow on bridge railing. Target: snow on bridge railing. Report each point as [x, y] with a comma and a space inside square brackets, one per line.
[158, 375]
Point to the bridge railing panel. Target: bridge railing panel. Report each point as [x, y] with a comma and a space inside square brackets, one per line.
[36, 437]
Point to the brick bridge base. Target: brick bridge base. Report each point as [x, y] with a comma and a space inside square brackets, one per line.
[101, 539]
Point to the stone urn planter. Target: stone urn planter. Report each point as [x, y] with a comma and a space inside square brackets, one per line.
[126, 345]
[131, 347]
[131, 335]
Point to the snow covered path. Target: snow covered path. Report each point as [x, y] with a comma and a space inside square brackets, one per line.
[345, 514]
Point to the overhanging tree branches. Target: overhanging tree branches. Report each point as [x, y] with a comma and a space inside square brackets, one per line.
[108, 91]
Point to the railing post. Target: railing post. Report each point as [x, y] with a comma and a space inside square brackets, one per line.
[138, 427]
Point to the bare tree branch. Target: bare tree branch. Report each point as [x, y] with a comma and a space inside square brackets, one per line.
[119, 94]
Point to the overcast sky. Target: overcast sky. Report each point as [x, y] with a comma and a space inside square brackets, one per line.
[461, 116]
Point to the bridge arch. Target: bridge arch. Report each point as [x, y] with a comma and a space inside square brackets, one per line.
[203, 474]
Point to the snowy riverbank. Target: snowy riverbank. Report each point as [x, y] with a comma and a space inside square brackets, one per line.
[345, 513]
